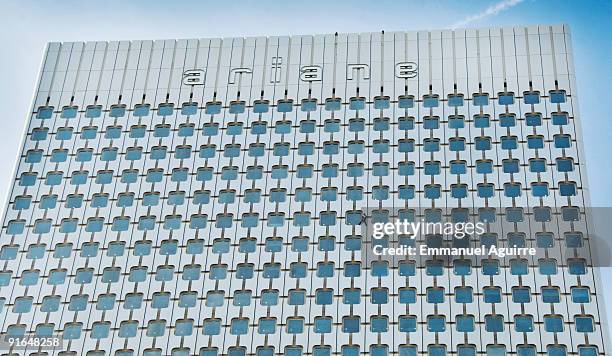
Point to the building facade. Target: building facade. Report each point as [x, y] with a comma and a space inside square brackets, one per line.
[212, 196]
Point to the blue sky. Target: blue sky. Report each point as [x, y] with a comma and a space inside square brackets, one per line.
[27, 26]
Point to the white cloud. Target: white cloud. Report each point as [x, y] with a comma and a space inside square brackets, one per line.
[489, 11]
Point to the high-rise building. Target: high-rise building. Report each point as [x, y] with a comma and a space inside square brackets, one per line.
[216, 197]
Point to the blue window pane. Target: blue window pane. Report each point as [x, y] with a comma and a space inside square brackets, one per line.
[565, 164]
[481, 121]
[560, 118]
[208, 151]
[213, 108]
[133, 153]
[456, 121]
[435, 295]
[381, 102]
[269, 297]
[531, 97]
[557, 96]
[580, 295]
[533, 119]
[117, 110]
[494, 323]
[236, 107]
[350, 324]
[44, 112]
[141, 110]
[465, 323]
[39, 134]
[405, 101]
[458, 167]
[381, 124]
[64, 134]
[407, 323]
[211, 327]
[72, 330]
[550, 295]
[84, 155]
[430, 100]
[526, 350]
[464, 295]
[455, 100]
[322, 325]
[189, 108]
[99, 200]
[261, 106]
[333, 104]
[590, 350]
[577, 266]
[309, 105]
[562, 141]
[113, 132]
[507, 120]
[210, 129]
[267, 326]
[556, 350]
[567, 189]
[553, 323]
[584, 324]
[509, 142]
[137, 131]
[59, 155]
[539, 189]
[22, 202]
[284, 105]
[480, 99]
[505, 98]
[436, 323]
[357, 103]
[406, 123]
[69, 112]
[431, 122]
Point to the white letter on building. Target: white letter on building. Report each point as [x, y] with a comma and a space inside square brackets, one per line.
[406, 70]
[275, 73]
[311, 73]
[194, 77]
[235, 71]
[352, 69]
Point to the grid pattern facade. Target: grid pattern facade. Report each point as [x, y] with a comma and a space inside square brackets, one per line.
[158, 212]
